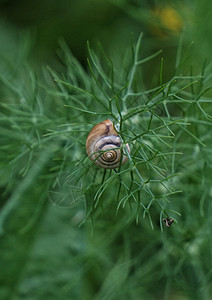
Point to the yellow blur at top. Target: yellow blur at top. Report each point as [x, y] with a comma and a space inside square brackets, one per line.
[168, 21]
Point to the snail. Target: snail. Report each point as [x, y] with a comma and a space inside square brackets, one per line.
[101, 138]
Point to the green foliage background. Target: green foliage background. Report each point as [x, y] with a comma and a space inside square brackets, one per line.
[48, 251]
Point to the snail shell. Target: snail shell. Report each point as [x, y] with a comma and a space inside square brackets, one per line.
[101, 138]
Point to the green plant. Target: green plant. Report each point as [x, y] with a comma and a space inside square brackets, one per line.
[151, 121]
[45, 123]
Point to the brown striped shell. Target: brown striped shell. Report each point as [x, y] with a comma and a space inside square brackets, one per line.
[103, 146]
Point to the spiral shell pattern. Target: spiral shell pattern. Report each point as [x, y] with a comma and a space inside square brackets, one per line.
[103, 146]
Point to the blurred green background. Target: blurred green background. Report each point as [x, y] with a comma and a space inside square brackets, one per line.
[44, 254]
[110, 22]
